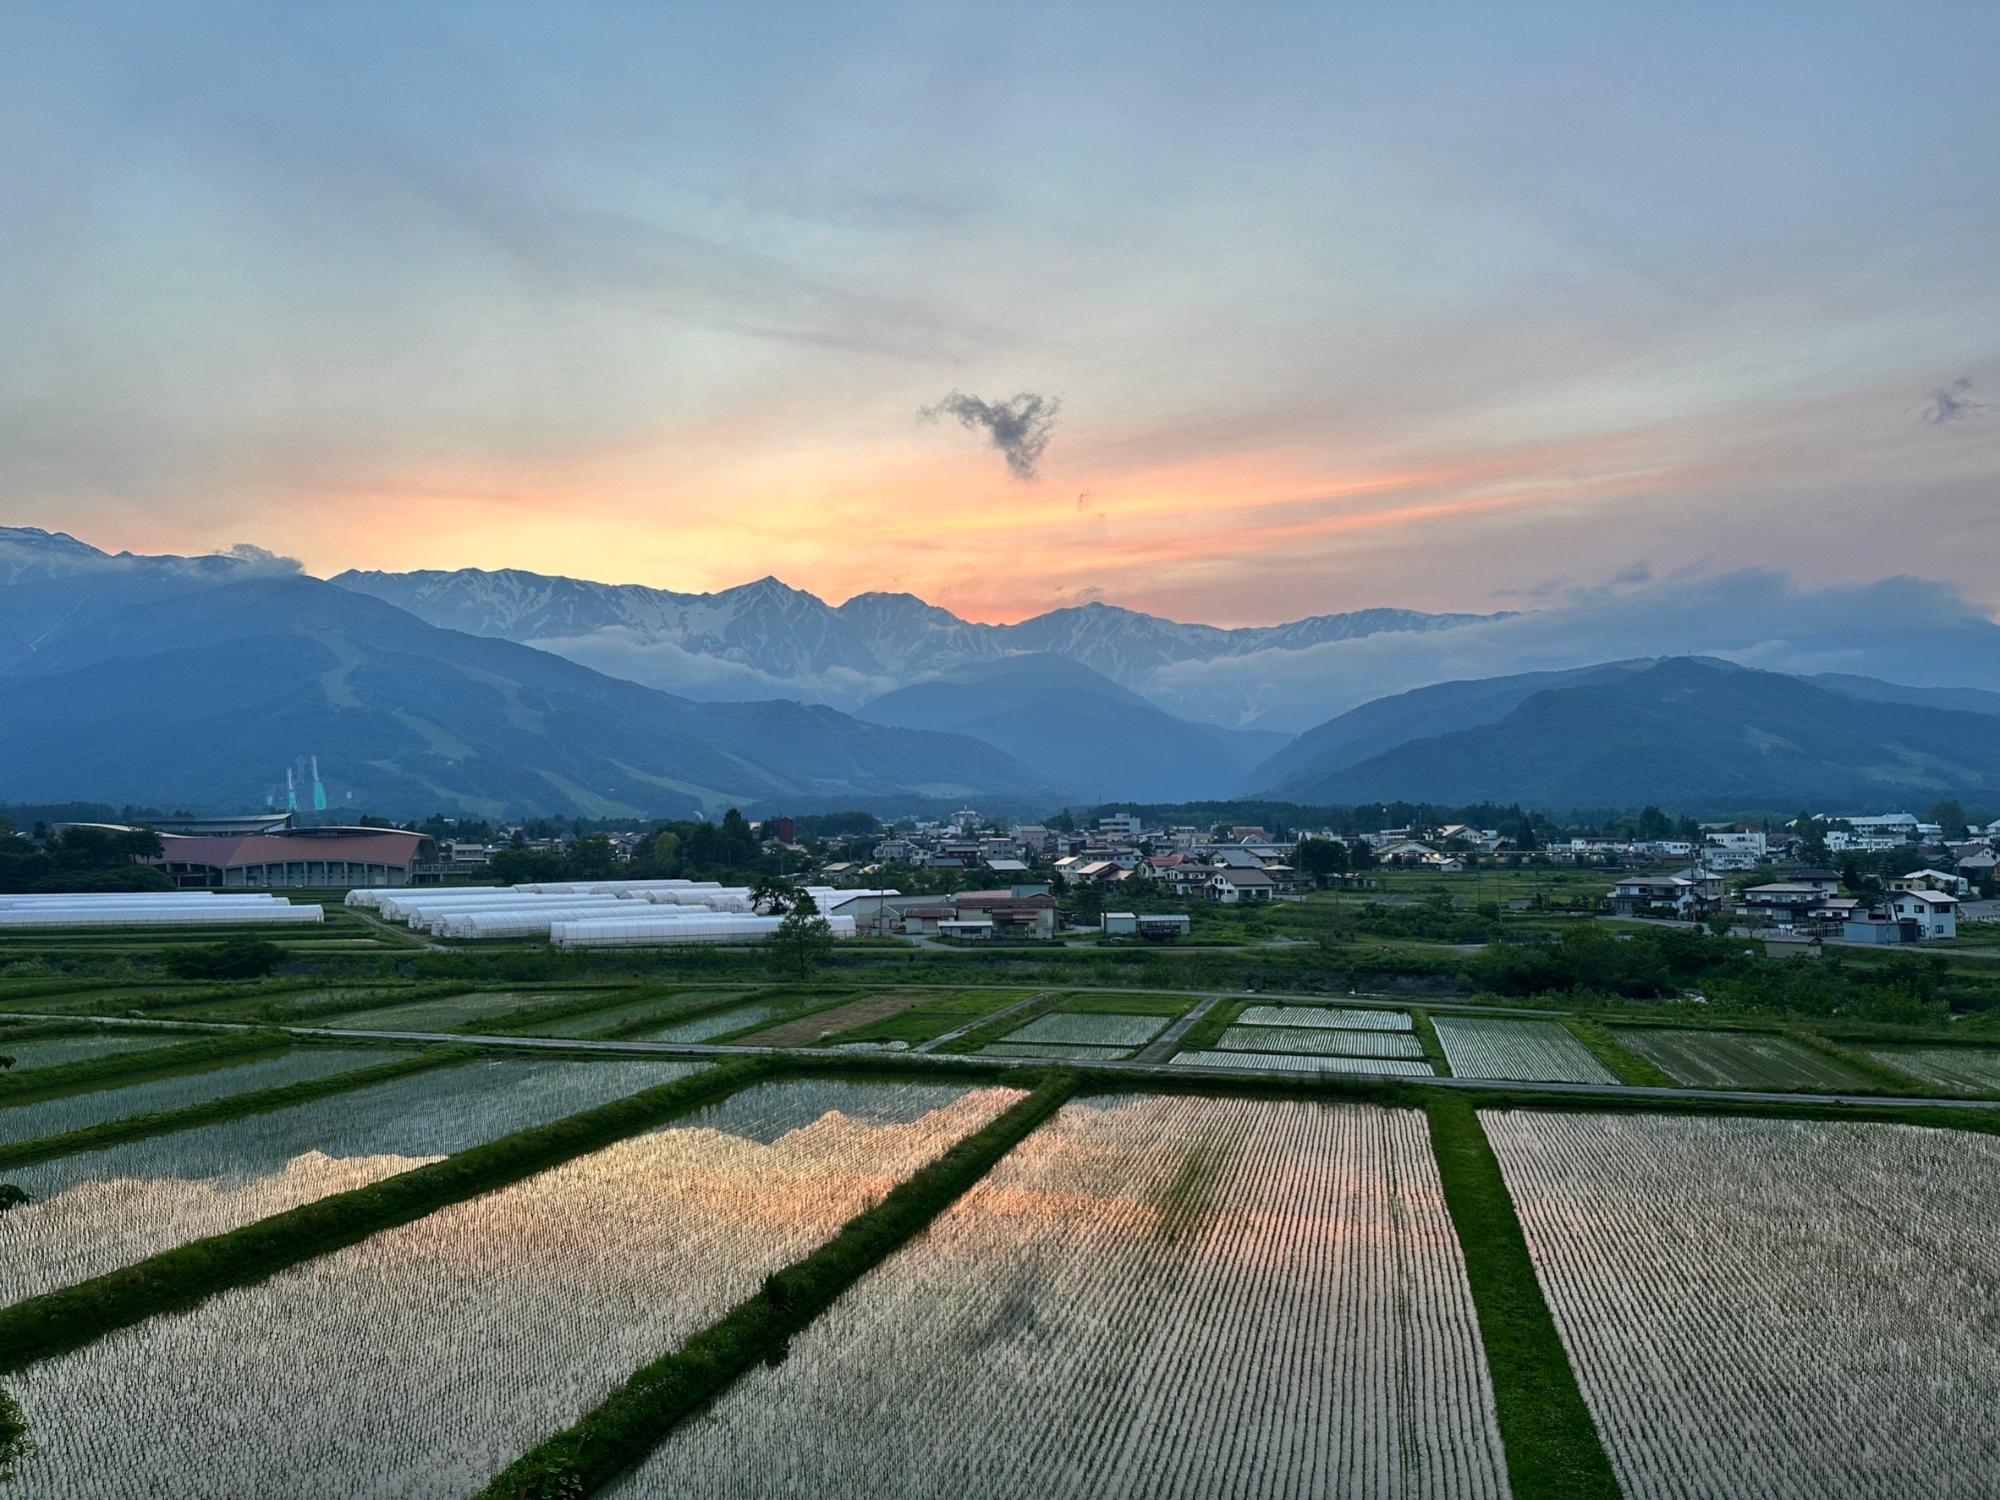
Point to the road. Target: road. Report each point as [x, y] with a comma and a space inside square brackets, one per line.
[1136, 1067]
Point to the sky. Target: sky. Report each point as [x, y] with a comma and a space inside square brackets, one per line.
[1321, 307]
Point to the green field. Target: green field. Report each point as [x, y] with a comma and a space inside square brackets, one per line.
[1741, 1060]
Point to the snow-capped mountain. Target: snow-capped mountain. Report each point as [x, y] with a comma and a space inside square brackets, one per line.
[768, 636]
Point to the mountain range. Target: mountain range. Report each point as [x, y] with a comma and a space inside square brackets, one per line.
[767, 634]
[1690, 733]
[195, 681]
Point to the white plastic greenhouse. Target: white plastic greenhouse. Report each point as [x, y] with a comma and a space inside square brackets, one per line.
[162, 914]
[656, 929]
[433, 917]
[532, 920]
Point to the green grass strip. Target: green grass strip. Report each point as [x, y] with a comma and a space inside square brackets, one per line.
[1626, 1065]
[1420, 1022]
[91, 1073]
[633, 1421]
[59, 1321]
[228, 1107]
[1553, 1451]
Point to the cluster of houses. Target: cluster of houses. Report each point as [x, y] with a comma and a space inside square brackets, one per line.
[1234, 866]
[1921, 906]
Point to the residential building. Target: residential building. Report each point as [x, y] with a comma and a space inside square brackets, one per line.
[1934, 912]
[1236, 887]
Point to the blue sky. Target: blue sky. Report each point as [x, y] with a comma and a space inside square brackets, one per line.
[1429, 305]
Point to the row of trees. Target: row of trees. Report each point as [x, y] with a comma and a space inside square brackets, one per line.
[80, 859]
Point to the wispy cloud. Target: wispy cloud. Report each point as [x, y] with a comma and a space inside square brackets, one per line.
[1953, 403]
[1020, 428]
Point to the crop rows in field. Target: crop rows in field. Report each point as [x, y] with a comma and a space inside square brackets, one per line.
[1763, 1307]
[1090, 1029]
[1335, 1017]
[1739, 1060]
[484, 1006]
[423, 1359]
[98, 1210]
[59, 1116]
[1535, 1051]
[1294, 1062]
[716, 1023]
[938, 1012]
[1151, 1296]
[1965, 1070]
[1320, 1041]
[52, 1051]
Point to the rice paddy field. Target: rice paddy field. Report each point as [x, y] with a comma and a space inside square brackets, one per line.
[1093, 1029]
[716, 1023]
[99, 1106]
[1341, 1018]
[612, 1015]
[94, 1211]
[1765, 1307]
[1964, 1070]
[1740, 1060]
[1320, 1041]
[1151, 1296]
[488, 1007]
[1289, 1270]
[1296, 1062]
[421, 1360]
[51, 1051]
[1517, 1049]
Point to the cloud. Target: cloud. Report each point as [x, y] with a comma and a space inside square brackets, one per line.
[1020, 428]
[1953, 403]
[1909, 630]
[261, 559]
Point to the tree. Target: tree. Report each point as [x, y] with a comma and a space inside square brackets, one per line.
[1653, 825]
[1319, 859]
[1950, 816]
[232, 958]
[774, 896]
[1811, 833]
[803, 938]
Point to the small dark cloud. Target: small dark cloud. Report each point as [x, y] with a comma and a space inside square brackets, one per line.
[1020, 428]
[1952, 403]
[1083, 500]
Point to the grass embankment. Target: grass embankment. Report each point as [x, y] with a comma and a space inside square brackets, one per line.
[1626, 1065]
[936, 1012]
[1552, 1445]
[89, 1074]
[42, 1327]
[627, 1426]
[1004, 1022]
[228, 1107]
[1420, 1023]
